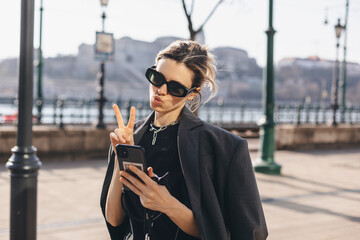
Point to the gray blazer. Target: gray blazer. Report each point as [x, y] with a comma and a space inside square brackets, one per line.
[219, 178]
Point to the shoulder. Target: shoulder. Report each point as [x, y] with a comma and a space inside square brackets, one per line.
[139, 123]
[219, 133]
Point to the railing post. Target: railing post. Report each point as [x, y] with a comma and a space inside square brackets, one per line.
[60, 104]
[307, 112]
[350, 110]
[55, 109]
[323, 107]
[317, 110]
[298, 116]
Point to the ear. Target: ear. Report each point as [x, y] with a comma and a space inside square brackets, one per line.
[193, 94]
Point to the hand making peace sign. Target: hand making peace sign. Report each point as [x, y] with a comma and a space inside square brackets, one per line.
[122, 134]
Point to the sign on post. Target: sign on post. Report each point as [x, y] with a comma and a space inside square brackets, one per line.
[104, 46]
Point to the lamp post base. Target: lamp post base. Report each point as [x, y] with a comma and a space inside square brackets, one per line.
[267, 167]
[100, 125]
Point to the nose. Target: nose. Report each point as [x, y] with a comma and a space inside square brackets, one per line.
[162, 90]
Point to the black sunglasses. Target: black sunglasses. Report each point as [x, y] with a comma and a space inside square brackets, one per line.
[174, 88]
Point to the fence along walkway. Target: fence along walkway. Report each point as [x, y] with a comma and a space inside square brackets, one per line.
[60, 111]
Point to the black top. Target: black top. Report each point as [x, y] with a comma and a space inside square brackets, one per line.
[163, 158]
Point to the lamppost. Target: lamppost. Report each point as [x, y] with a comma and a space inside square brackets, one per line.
[101, 76]
[23, 163]
[335, 80]
[39, 101]
[343, 79]
[265, 162]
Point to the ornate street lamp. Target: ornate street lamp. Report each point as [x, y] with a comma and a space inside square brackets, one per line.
[23, 163]
[265, 163]
[101, 41]
[39, 100]
[343, 74]
[335, 81]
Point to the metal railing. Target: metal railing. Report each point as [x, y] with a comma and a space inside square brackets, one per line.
[71, 111]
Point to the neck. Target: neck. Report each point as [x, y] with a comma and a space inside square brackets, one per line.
[164, 119]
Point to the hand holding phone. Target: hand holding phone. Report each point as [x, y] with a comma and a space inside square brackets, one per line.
[131, 155]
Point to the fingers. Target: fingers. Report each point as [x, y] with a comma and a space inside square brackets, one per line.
[119, 118]
[119, 135]
[143, 176]
[132, 118]
[123, 180]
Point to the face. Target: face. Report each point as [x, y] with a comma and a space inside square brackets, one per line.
[160, 100]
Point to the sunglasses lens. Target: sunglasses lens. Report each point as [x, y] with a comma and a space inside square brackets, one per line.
[176, 89]
[155, 78]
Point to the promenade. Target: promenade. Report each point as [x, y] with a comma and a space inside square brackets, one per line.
[316, 197]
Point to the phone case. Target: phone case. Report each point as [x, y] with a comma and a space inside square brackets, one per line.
[131, 154]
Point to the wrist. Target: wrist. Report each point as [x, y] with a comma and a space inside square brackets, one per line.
[173, 207]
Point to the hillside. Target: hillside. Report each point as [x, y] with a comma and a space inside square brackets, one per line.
[240, 77]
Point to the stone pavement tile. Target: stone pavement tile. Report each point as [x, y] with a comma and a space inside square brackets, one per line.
[316, 197]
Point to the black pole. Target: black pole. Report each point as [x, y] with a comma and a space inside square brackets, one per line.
[334, 87]
[24, 164]
[343, 74]
[40, 100]
[101, 99]
[101, 77]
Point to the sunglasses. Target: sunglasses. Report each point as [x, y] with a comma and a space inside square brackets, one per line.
[174, 88]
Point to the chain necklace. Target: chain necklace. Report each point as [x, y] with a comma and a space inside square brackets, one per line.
[160, 129]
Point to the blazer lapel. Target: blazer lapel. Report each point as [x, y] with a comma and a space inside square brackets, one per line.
[188, 145]
[140, 130]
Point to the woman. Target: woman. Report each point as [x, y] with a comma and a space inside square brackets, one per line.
[209, 190]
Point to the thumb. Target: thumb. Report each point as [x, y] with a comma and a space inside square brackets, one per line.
[151, 172]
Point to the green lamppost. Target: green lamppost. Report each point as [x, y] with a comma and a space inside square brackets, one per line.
[265, 162]
[343, 78]
[23, 163]
[335, 80]
[39, 101]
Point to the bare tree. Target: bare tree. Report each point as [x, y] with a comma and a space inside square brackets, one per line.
[188, 14]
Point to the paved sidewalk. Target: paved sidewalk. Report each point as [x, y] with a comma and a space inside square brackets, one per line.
[316, 197]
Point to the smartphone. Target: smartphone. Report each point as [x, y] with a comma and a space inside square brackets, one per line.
[131, 154]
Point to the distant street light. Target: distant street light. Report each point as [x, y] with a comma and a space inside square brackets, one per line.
[343, 78]
[39, 100]
[265, 163]
[103, 48]
[335, 81]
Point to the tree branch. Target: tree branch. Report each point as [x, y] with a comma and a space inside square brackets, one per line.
[192, 7]
[211, 13]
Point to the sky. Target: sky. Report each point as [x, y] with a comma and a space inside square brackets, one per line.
[299, 25]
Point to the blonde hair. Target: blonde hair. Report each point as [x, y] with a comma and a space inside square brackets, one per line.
[199, 60]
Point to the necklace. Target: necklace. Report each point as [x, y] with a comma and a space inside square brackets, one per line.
[160, 129]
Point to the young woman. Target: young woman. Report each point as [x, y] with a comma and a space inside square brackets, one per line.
[206, 187]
